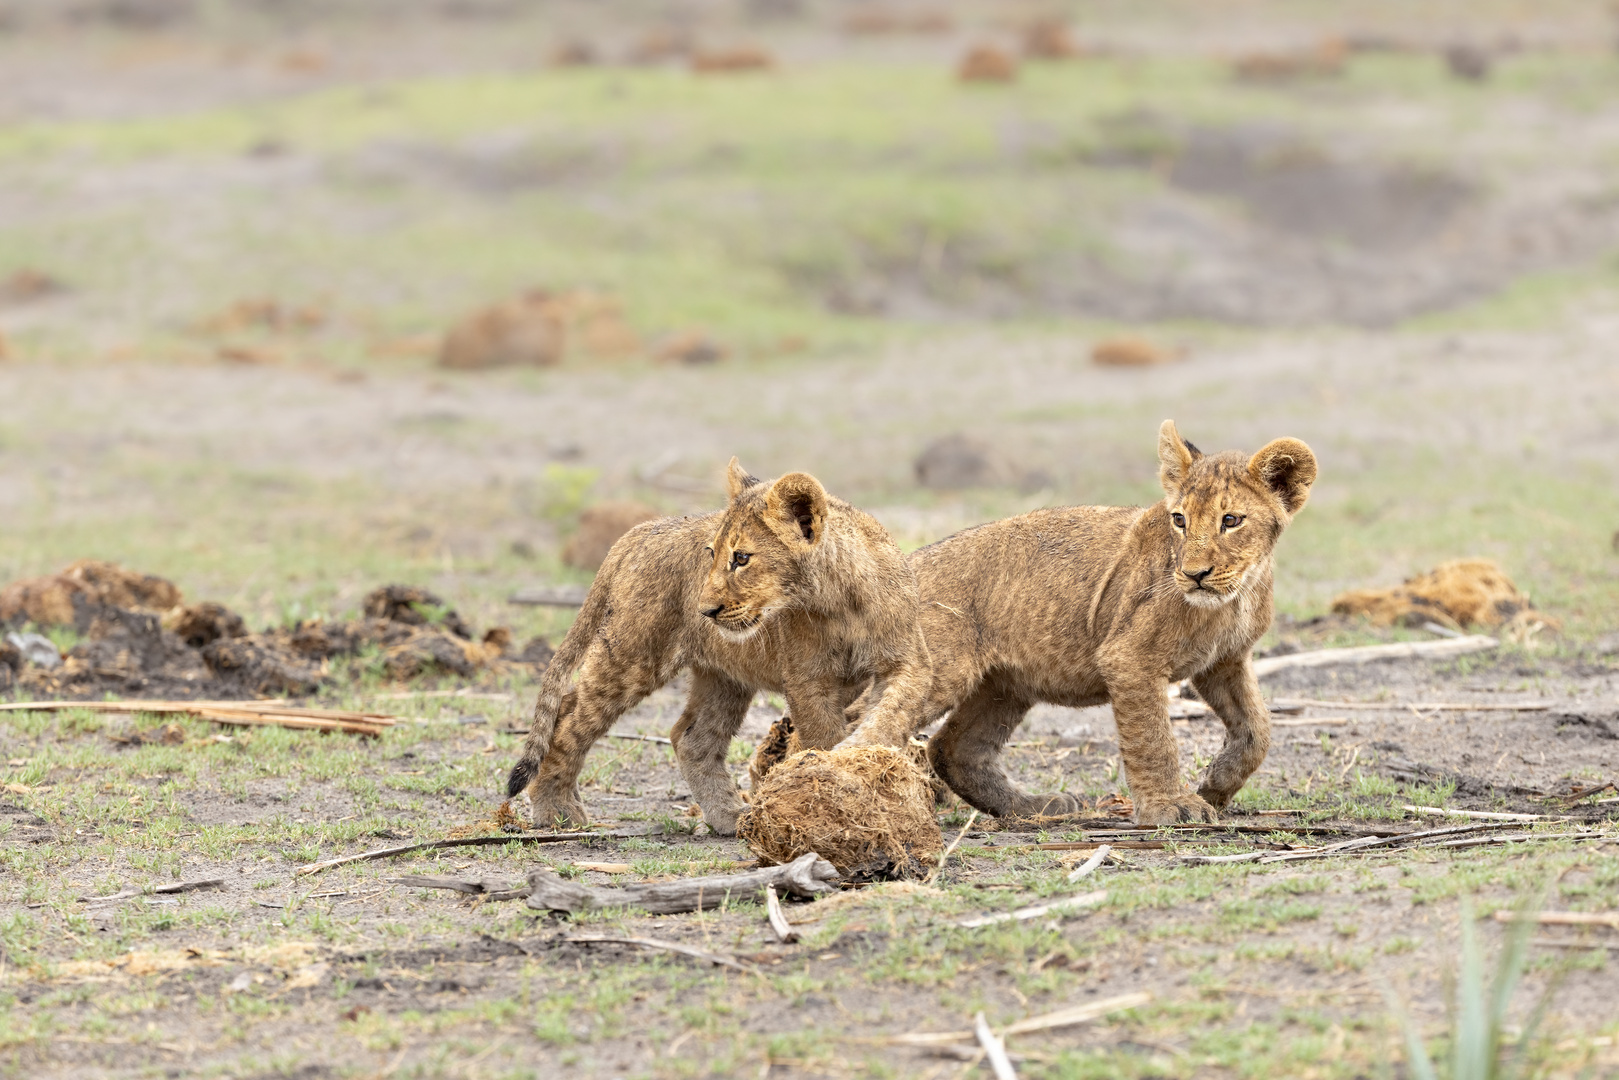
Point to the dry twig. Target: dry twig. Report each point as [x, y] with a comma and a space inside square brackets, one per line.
[1424, 706]
[1069, 903]
[1090, 864]
[1079, 1014]
[472, 841]
[778, 920]
[994, 1049]
[945, 855]
[1609, 919]
[156, 890]
[808, 875]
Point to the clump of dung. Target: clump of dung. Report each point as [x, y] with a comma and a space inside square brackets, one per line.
[1456, 594]
[868, 810]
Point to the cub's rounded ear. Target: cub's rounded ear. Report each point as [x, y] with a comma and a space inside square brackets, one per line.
[1287, 468]
[797, 506]
[1175, 457]
[738, 479]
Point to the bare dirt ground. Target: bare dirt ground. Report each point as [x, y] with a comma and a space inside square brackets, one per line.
[291, 487]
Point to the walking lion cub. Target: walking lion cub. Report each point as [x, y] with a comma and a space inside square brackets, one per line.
[788, 589]
[1083, 605]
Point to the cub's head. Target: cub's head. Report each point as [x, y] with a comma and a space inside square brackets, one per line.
[758, 558]
[1226, 510]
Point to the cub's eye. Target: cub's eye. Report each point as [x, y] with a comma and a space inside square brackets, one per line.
[739, 559]
[1179, 520]
[1231, 521]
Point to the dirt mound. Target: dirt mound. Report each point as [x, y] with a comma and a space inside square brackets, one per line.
[78, 594]
[600, 526]
[867, 810]
[961, 461]
[1324, 60]
[1049, 39]
[140, 639]
[527, 331]
[1457, 594]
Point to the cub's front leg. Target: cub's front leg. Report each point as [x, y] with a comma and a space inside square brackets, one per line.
[1151, 758]
[1231, 690]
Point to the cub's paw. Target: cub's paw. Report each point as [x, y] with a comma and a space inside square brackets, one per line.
[1219, 798]
[722, 822]
[1059, 804]
[560, 814]
[1177, 810]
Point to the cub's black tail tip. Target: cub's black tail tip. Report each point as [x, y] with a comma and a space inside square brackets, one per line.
[518, 782]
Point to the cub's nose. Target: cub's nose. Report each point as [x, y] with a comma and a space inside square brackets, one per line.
[1198, 575]
[714, 612]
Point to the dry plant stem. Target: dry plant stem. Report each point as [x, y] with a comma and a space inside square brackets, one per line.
[1510, 838]
[1365, 654]
[489, 890]
[994, 1049]
[236, 713]
[1079, 1014]
[641, 738]
[470, 841]
[1083, 900]
[1090, 864]
[1481, 815]
[808, 875]
[944, 855]
[664, 946]
[1609, 919]
[778, 920]
[1558, 943]
[1391, 706]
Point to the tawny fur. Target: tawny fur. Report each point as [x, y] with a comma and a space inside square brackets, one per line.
[1084, 605]
[788, 589]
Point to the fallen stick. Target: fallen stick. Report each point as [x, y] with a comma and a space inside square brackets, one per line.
[1423, 706]
[406, 695]
[1320, 721]
[492, 890]
[1559, 943]
[1091, 845]
[237, 713]
[808, 875]
[642, 738]
[1510, 838]
[156, 890]
[1083, 900]
[1365, 654]
[664, 946]
[778, 920]
[1481, 815]
[1090, 864]
[550, 596]
[472, 841]
[994, 1049]
[1079, 1014]
[1609, 919]
[945, 855]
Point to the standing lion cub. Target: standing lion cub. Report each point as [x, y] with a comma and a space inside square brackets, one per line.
[1082, 605]
[787, 589]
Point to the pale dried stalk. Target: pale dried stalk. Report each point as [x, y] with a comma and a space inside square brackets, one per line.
[778, 920]
[994, 1049]
[1083, 900]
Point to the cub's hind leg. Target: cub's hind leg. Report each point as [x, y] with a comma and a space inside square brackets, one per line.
[702, 738]
[966, 754]
[606, 690]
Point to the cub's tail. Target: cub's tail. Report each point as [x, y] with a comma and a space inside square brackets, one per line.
[554, 684]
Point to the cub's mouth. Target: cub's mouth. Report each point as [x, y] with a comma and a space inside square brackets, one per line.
[738, 625]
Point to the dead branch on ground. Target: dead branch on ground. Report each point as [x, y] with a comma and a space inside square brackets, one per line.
[809, 875]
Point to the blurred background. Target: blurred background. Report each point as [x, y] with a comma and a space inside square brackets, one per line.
[299, 297]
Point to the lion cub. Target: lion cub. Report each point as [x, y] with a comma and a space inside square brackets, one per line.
[1090, 604]
[787, 589]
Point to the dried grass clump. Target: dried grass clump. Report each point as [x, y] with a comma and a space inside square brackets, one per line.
[1455, 594]
[600, 526]
[867, 810]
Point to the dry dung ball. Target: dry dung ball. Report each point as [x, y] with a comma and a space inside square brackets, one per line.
[867, 810]
[73, 597]
[600, 526]
[526, 331]
[1130, 352]
[986, 63]
[1459, 593]
[1049, 39]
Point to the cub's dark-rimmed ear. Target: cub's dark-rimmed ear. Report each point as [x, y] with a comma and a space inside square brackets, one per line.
[1286, 468]
[738, 479]
[797, 504]
[1175, 457]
